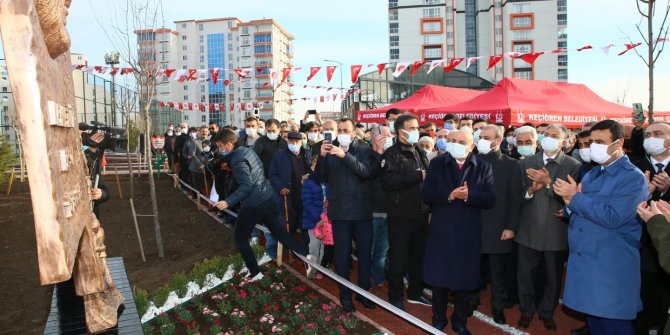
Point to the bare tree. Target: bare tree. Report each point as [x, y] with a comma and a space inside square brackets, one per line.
[654, 45]
[130, 20]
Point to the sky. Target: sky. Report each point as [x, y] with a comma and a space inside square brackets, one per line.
[355, 32]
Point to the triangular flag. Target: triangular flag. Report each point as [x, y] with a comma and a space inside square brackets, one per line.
[171, 104]
[161, 104]
[329, 72]
[530, 58]
[606, 49]
[355, 70]
[629, 47]
[416, 66]
[240, 73]
[512, 55]
[180, 105]
[202, 75]
[400, 68]
[215, 75]
[493, 60]
[312, 72]
[168, 72]
[381, 67]
[273, 76]
[285, 73]
[453, 63]
[191, 74]
[211, 107]
[114, 71]
[180, 76]
[471, 60]
[190, 106]
[334, 97]
[226, 82]
[222, 107]
[259, 70]
[434, 64]
[586, 47]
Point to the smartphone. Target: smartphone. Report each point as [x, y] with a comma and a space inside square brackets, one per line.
[379, 129]
[328, 137]
[311, 111]
[638, 112]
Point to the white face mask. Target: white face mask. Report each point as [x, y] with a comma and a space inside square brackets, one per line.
[476, 135]
[431, 155]
[206, 149]
[312, 136]
[178, 132]
[261, 131]
[251, 132]
[272, 136]
[388, 143]
[484, 146]
[511, 140]
[458, 151]
[170, 133]
[412, 136]
[599, 152]
[550, 144]
[585, 154]
[654, 146]
[344, 140]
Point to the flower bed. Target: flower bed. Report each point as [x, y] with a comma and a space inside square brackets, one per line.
[277, 304]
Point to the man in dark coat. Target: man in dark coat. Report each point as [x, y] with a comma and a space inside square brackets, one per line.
[541, 234]
[500, 222]
[269, 144]
[169, 146]
[404, 167]
[346, 165]
[179, 142]
[458, 187]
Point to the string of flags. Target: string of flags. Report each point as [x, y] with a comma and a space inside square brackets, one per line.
[213, 74]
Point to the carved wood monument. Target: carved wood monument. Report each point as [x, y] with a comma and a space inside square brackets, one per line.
[69, 237]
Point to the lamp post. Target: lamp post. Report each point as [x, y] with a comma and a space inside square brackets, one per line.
[341, 70]
[111, 59]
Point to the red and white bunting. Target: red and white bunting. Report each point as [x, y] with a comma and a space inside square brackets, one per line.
[400, 68]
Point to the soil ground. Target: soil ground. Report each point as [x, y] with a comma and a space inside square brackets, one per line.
[188, 236]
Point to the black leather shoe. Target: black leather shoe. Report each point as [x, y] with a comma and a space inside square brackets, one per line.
[581, 331]
[549, 323]
[524, 321]
[459, 327]
[366, 302]
[421, 300]
[348, 305]
[511, 302]
[499, 316]
[398, 304]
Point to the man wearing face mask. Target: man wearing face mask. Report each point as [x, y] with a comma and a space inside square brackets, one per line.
[261, 128]
[603, 278]
[391, 115]
[509, 143]
[346, 165]
[266, 146]
[193, 151]
[500, 222]
[169, 145]
[428, 145]
[477, 126]
[655, 282]
[329, 126]
[286, 171]
[584, 152]
[451, 122]
[457, 188]
[430, 129]
[179, 142]
[404, 167]
[249, 135]
[526, 141]
[441, 141]
[312, 132]
[381, 141]
[542, 235]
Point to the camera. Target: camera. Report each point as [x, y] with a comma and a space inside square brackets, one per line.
[111, 135]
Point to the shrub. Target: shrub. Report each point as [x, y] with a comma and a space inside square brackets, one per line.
[7, 158]
[258, 251]
[237, 262]
[220, 265]
[160, 295]
[141, 300]
[201, 270]
[180, 284]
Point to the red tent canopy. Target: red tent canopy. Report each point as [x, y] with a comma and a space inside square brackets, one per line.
[517, 101]
[429, 96]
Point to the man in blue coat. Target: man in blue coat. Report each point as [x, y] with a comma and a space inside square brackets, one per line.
[603, 275]
[458, 187]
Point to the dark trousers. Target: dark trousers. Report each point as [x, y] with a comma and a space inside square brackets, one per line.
[184, 173]
[343, 233]
[510, 274]
[602, 326]
[407, 243]
[247, 219]
[462, 302]
[529, 261]
[198, 182]
[655, 294]
[498, 265]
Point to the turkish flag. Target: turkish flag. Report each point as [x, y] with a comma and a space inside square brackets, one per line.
[181, 106]
[171, 104]
[240, 73]
[381, 67]
[259, 70]
[415, 67]
[211, 107]
[127, 70]
[190, 106]
[114, 71]
[355, 70]
[191, 74]
[162, 104]
[322, 99]
[530, 58]
[313, 71]
[226, 82]
[400, 68]
[453, 63]
[586, 47]
[168, 72]
[493, 60]
[329, 72]
[222, 107]
[215, 75]
[285, 72]
[629, 47]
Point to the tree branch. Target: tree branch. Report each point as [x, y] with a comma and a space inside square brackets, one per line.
[639, 9]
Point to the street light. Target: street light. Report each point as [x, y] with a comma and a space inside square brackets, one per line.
[341, 69]
[111, 59]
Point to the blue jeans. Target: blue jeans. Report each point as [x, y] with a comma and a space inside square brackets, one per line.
[343, 233]
[270, 245]
[380, 246]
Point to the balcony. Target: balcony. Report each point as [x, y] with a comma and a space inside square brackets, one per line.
[264, 97]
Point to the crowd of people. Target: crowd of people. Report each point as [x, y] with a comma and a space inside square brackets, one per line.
[439, 213]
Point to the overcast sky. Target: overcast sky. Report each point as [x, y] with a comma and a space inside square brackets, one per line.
[355, 32]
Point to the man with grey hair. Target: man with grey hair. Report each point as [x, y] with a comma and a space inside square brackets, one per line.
[541, 235]
[526, 141]
[500, 222]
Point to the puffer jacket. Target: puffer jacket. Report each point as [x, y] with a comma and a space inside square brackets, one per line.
[402, 181]
[252, 188]
[312, 202]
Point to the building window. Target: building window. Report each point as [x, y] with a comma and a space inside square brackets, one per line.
[185, 117]
[521, 35]
[562, 19]
[499, 31]
[186, 98]
[259, 49]
[201, 39]
[498, 18]
[450, 34]
[184, 67]
[562, 44]
[183, 48]
[432, 39]
[393, 27]
[562, 60]
[393, 3]
[563, 74]
[395, 53]
[202, 67]
[185, 88]
[562, 5]
[523, 74]
[262, 38]
[498, 4]
[230, 36]
[521, 8]
[202, 88]
[449, 9]
[183, 25]
[393, 17]
[431, 12]
[245, 30]
[202, 48]
[247, 94]
[394, 41]
[562, 34]
[522, 48]
[184, 57]
[202, 58]
[431, 26]
[450, 22]
[183, 37]
[450, 48]
[432, 52]
[522, 21]
[203, 118]
[230, 24]
[432, 2]
[499, 70]
[202, 98]
[4, 89]
[201, 27]
[499, 44]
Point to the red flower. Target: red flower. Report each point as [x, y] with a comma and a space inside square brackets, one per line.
[302, 316]
[217, 322]
[243, 294]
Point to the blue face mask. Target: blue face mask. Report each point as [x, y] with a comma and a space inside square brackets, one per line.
[441, 144]
[526, 150]
[448, 126]
[294, 148]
